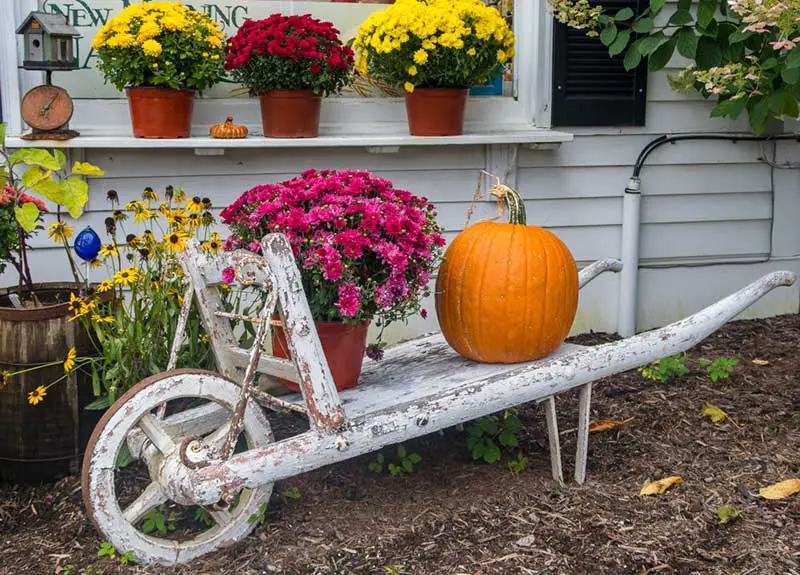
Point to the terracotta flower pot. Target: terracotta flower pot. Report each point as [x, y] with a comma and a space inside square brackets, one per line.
[160, 112]
[290, 113]
[436, 111]
[343, 345]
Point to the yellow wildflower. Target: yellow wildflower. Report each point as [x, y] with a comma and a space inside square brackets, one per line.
[109, 250]
[409, 87]
[195, 204]
[102, 318]
[69, 360]
[176, 241]
[5, 375]
[205, 54]
[37, 395]
[213, 245]
[149, 194]
[105, 285]
[60, 232]
[95, 263]
[126, 276]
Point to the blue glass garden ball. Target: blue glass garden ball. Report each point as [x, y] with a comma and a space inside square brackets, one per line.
[87, 244]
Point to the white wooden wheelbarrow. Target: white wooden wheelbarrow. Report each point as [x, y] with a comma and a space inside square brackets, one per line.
[186, 425]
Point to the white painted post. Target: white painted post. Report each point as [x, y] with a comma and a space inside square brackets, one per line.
[316, 382]
[553, 439]
[628, 284]
[584, 407]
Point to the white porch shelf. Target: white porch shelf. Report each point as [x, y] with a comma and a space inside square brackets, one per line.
[376, 139]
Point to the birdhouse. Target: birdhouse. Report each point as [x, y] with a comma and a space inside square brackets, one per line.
[49, 42]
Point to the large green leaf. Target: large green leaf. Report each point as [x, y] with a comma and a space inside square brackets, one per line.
[87, 169]
[608, 34]
[686, 42]
[27, 216]
[624, 15]
[758, 109]
[739, 36]
[36, 157]
[680, 17]
[620, 43]
[684, 4]
[783, 103]
[76, 194]
[41, 181]
[730, 108]
[643, 26]
[62, 159]
[661, 56]
[632, 57]
[705, 12]
[656, 6]
[646, 45]
[791, 75]
[793, 60]
[708, 53]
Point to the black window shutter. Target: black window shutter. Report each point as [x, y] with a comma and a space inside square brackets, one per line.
[589, 87]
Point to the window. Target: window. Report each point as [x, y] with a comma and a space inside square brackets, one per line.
[520, 97]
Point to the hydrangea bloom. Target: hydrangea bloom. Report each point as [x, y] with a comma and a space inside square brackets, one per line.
[365, 249]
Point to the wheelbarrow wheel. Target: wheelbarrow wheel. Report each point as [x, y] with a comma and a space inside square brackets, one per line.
[125, 487]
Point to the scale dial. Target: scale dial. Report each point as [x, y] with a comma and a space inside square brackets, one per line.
[47, 108]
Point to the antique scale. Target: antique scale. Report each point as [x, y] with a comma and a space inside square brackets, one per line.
[49, 47]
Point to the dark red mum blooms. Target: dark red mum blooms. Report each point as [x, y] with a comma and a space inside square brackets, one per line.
[289, 53]
[365, 249]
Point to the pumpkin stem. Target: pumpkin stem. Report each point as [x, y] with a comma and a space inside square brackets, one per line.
[229, 120]
[512, 200]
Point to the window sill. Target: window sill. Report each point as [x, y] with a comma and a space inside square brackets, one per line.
[387, 138]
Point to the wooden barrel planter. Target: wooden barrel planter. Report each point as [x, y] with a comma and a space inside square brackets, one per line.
[44, 442]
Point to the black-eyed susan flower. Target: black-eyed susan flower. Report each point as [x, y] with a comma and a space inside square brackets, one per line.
[141, 213]
[105, 285]
[194, 221]
[108, 250]
[120, 216]
[37, 395]
[176, 294]
[75, 304]
[69, 360]
[213, 245]
[111, 226]
[169, 192]
[112, 196]
[102, 318]
[179, 196]
[208, 219]
[195, 205]
[149, 194]
[132, 241]
[95, 263]
[126, 276]
[176, 218]
[176, 241]
[144, 254]
[60, 232]
[148, 238]
[207, 203]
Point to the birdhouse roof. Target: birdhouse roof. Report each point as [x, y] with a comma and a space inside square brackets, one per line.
[53, 24]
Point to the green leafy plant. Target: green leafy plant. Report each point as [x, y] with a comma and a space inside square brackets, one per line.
[403, 462]
[744, 53]
[44, 176]
[107, 550]
[488, 436]
[719, 369]
[519, 463]
[292, 493]
[157, 520]
[202, 516]
[667, 369]
[727, 514]
[260, 516]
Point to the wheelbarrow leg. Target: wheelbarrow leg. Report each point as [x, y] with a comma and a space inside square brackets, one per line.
[583, 432]
[553, 439]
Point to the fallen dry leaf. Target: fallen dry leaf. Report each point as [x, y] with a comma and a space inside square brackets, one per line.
[606, 424]
[760, 362]
[526, 541]
[781, 490]
[714, 413]
[660, 486]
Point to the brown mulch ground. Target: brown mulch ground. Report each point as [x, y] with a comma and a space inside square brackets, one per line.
[456, 516]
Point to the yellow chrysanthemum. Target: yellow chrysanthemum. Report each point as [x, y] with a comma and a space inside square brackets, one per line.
[409, 87]
[412, 70]
[152, 48]
[37, 395]
[60, 232]
[420, 57]
[471, 52]
[69, 360]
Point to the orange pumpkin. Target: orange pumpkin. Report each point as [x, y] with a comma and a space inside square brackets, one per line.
[506, 292]
[228, 130]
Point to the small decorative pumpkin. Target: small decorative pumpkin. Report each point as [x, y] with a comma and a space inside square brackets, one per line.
[228, 130]
[506, 292]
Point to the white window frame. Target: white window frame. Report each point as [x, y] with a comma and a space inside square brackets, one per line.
[342, 118]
